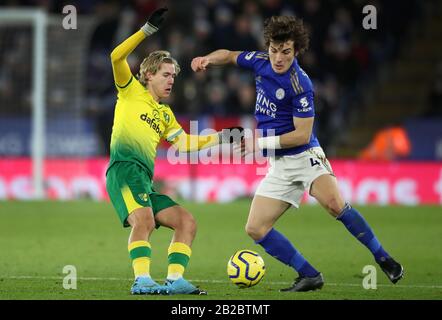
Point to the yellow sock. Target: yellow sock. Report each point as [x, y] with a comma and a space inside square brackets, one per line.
[140, 252]
[178, 256]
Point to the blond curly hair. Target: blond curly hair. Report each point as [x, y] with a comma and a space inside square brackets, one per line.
[153, 62]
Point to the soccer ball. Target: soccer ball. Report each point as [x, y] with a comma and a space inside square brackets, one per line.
[246, 268]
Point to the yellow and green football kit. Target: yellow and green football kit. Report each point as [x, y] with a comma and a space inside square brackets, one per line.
[139, 124]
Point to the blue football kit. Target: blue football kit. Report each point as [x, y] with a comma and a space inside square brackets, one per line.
[279, 98]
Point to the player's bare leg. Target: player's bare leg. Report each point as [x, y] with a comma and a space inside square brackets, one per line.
[142, 223]
[264, 212]
[325, 190]
[181, 221]
[184, 226]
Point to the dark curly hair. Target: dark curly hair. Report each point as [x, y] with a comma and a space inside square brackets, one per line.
[284, 28]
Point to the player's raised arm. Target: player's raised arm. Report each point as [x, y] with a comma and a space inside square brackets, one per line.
[120, 67]
[216, 58]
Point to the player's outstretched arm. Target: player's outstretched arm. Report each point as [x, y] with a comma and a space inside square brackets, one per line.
[216, 58]
[120, 67]
[189, 143]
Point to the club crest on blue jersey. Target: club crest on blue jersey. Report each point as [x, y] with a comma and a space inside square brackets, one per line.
[280, 93]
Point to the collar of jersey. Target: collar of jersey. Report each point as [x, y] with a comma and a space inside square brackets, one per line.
[158, 105]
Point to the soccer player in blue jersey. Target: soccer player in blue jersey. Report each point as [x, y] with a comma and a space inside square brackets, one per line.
[285, 113]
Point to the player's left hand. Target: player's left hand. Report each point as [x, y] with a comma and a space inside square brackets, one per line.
[246, 146]
[154, 22]
[157, 17]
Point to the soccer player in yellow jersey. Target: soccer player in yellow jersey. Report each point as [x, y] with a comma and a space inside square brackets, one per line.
[140, 122]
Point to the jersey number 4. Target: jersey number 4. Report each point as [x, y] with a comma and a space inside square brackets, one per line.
[314, 162]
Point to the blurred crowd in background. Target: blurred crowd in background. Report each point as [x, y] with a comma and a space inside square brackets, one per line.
[435, 97]
[343, 57]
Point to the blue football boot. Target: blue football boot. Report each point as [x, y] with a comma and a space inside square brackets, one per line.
[145, 285]
[182, 286]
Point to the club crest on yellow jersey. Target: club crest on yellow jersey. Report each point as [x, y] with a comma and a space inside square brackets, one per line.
[166, 117]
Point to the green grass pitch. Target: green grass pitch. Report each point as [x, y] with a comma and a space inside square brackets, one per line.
[37, 239]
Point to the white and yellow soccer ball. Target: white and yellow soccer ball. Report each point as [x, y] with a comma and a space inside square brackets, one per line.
[246, 268]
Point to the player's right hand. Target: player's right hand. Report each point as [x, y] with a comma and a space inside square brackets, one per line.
[199, 64]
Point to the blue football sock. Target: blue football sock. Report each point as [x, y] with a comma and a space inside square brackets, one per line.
[278, 246]
[359, 228]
